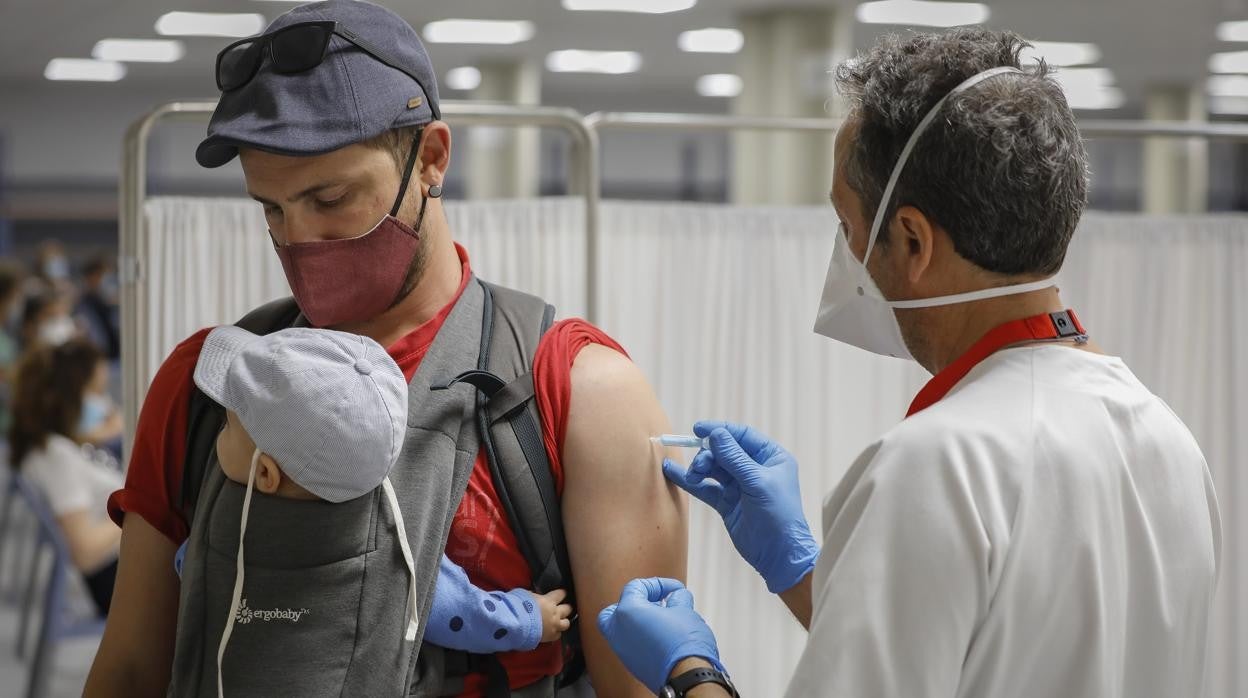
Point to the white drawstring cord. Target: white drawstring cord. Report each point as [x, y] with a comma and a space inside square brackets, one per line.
[238, 574]
[413, 623]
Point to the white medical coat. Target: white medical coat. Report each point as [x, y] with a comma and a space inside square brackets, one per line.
[1049, 529]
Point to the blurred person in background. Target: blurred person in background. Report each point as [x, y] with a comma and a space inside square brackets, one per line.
[52, 269]
[46, 320]
[97, 306]
[11, 276]
[53, 388]
[101, 424]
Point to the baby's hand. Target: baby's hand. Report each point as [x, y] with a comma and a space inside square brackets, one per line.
[556, 615]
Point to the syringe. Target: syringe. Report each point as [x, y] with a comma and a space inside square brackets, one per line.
[681, 441]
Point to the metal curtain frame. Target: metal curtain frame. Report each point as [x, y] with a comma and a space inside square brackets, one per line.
[1105, 128]
[133, 194]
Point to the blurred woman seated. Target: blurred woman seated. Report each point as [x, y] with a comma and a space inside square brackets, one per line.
[47, 321]
[11, 278]
[54, 386]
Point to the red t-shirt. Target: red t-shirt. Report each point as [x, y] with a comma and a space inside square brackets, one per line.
[481, 539]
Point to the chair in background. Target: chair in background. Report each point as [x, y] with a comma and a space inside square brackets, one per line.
[17, 541]
[59, 621]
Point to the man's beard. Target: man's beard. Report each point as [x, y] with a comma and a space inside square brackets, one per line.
[415, 271]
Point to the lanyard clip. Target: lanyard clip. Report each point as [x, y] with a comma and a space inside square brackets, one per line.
[1068, 327]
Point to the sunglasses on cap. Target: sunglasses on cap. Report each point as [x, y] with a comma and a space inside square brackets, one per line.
[294, 49]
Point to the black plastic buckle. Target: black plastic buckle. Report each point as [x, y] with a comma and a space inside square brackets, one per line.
[1066, 326]
[486, 382]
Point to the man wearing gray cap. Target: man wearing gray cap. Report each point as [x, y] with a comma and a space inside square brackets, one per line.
[333, 112]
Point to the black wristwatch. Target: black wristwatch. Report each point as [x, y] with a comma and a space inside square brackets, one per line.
[677, 687]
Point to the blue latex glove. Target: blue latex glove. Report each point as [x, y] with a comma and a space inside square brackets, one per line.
[654, 627]
[752, 483]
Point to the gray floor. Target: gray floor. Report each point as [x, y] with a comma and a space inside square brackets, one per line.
[72, 658]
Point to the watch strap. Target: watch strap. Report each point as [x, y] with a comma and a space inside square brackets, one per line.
[682, 684]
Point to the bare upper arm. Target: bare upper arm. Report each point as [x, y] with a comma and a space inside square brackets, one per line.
[136, 654]
[622, 519]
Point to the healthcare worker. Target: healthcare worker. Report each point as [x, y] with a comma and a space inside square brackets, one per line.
[1039, 524]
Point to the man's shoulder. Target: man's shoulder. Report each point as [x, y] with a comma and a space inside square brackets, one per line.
[189, 348]
[569, 337]
[992, 404]
[601, 366]
[172, 379]
[959, 438]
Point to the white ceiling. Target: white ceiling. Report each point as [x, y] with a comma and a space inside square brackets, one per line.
[1143, 41]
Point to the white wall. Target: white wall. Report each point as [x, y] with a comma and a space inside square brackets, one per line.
[52, 132]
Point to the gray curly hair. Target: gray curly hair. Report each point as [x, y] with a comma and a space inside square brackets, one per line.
[1003, 169]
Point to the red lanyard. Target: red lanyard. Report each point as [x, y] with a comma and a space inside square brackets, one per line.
[1047, 326]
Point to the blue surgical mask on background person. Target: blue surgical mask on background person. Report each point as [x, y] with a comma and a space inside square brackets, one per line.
[109, 287]
[95, 409]
[56, 268]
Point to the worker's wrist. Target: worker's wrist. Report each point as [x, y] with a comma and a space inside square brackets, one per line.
[706, 690]
[688, 664]
[800, 600]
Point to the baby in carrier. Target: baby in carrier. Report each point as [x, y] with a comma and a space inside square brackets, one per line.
[343, 449]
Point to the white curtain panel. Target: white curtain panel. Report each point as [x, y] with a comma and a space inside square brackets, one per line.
[205, 261]
[716, 305]
[534, 245]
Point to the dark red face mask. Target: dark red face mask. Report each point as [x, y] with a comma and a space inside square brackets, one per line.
[345, 281]
[337, 282]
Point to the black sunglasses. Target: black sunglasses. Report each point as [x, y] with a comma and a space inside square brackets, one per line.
[294, 49]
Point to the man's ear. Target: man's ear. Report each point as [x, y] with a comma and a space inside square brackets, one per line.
[913, 235]
[268, 475]
[435, 154]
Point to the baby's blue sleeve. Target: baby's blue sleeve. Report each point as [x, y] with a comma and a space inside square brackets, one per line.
[465, 617]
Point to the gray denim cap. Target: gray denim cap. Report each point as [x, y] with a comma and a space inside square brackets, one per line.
[349, 98]
[330, 407]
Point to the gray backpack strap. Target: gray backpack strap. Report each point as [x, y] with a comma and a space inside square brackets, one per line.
[507, 418]
[510, 428]
[517, 456]
[206, 417]
[512, 434]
